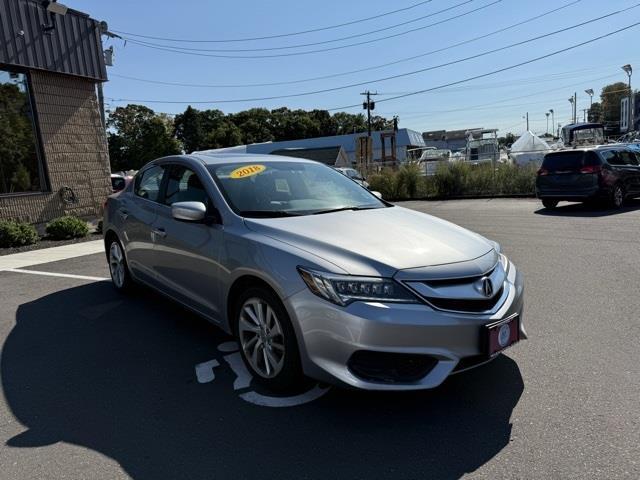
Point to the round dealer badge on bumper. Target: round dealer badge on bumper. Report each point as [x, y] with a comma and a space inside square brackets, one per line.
[504, 334]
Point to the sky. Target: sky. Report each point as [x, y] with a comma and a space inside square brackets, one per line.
[499, 100]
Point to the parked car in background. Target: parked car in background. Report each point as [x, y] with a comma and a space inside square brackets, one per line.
[432, 158]
[354, 175]
[313, 274]
[608, 173]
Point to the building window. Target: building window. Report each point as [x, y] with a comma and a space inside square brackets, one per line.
[21, 170]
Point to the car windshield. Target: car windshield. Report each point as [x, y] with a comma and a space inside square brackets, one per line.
[276, 189]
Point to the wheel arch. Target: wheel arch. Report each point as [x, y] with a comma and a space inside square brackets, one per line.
[240, 284]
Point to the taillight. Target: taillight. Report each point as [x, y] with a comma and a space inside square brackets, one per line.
[542, 172]
[591, 169]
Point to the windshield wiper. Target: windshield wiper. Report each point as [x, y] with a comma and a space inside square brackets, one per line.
[267, 213]
[342, 209]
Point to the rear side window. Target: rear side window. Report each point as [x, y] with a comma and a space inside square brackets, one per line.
[612, 157]
[570, 160]
[628, 158]
[148, 183]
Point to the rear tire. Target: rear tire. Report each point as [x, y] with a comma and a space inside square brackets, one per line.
[267, 340]
[550, 204]
[118, 267]
[617, 196]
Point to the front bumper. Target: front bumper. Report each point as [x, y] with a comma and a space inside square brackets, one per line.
[329, 335]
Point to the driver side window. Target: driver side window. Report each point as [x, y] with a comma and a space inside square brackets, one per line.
[184, 185]
[147, 184]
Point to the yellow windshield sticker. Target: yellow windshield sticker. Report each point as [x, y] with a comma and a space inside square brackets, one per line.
[247, 171]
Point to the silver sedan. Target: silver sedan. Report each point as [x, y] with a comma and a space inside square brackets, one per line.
[313, 274]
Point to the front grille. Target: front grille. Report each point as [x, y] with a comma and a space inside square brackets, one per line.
[386, 367]
[464, 305]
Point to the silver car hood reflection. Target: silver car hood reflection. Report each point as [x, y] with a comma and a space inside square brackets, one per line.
[376, 242]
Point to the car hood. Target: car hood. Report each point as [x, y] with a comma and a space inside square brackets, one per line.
[376, 242]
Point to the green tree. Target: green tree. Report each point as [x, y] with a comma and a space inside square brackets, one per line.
[255, 125]
[227, 134]
[610, 99]
[595, 112]
[345, 123]
[507, 140]
[139, 135]
[189, 130]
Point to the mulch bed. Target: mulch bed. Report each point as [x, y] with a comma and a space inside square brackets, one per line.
[45, 243]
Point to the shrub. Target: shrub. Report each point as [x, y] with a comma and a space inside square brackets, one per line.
[455, 179]
[384, 182]
[407, 180]
[16, 234]
[66, 227]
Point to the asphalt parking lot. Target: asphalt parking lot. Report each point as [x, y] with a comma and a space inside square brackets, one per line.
[100, 385]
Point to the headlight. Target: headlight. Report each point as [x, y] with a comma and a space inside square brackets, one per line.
[504, 261]
[344, 289]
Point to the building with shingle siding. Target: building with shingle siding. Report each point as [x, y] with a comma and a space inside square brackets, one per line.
[53, 148]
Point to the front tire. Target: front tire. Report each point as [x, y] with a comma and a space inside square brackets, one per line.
[267, 340]
[118, 268]
[550, 204]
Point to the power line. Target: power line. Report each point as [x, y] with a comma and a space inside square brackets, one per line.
[324, 42]
[185, 51]
[500, 70]
[302, 32]
[351, 72]
[278, 97]
[497, 102]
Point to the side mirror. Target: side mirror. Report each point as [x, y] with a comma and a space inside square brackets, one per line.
[189, 211]
[377, 194]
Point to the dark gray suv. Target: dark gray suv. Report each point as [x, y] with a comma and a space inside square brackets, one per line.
[608, 174]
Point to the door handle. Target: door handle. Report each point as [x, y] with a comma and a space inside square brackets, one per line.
[160, 232]
[123, 214]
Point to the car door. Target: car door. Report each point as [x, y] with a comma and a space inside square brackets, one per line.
[632, 170]
[138, 212]
[188, 253]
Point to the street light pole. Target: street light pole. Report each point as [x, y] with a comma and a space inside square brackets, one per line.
[589, 91]
[571, 100]
[629, 70]
[553, 122]
[547, 131]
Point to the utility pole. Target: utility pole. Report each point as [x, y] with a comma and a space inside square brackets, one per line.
[553, 123]
[575, 107]
[527, 121]
[368, 105]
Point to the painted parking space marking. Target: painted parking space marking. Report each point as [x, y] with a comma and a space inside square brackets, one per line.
[205, 374]
[204, 371]
[283, 402]
[55, 274]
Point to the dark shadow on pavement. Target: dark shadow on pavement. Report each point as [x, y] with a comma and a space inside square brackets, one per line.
[588, 210]
[115, 374]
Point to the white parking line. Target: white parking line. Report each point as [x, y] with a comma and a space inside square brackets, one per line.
[54, 274]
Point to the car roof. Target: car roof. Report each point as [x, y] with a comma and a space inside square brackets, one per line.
[611, 146]
[218, 158]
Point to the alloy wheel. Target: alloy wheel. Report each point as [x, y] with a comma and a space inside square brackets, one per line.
[261, 337]
[618, 196]
[116, 264]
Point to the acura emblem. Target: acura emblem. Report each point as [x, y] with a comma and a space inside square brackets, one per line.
[487, 287]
